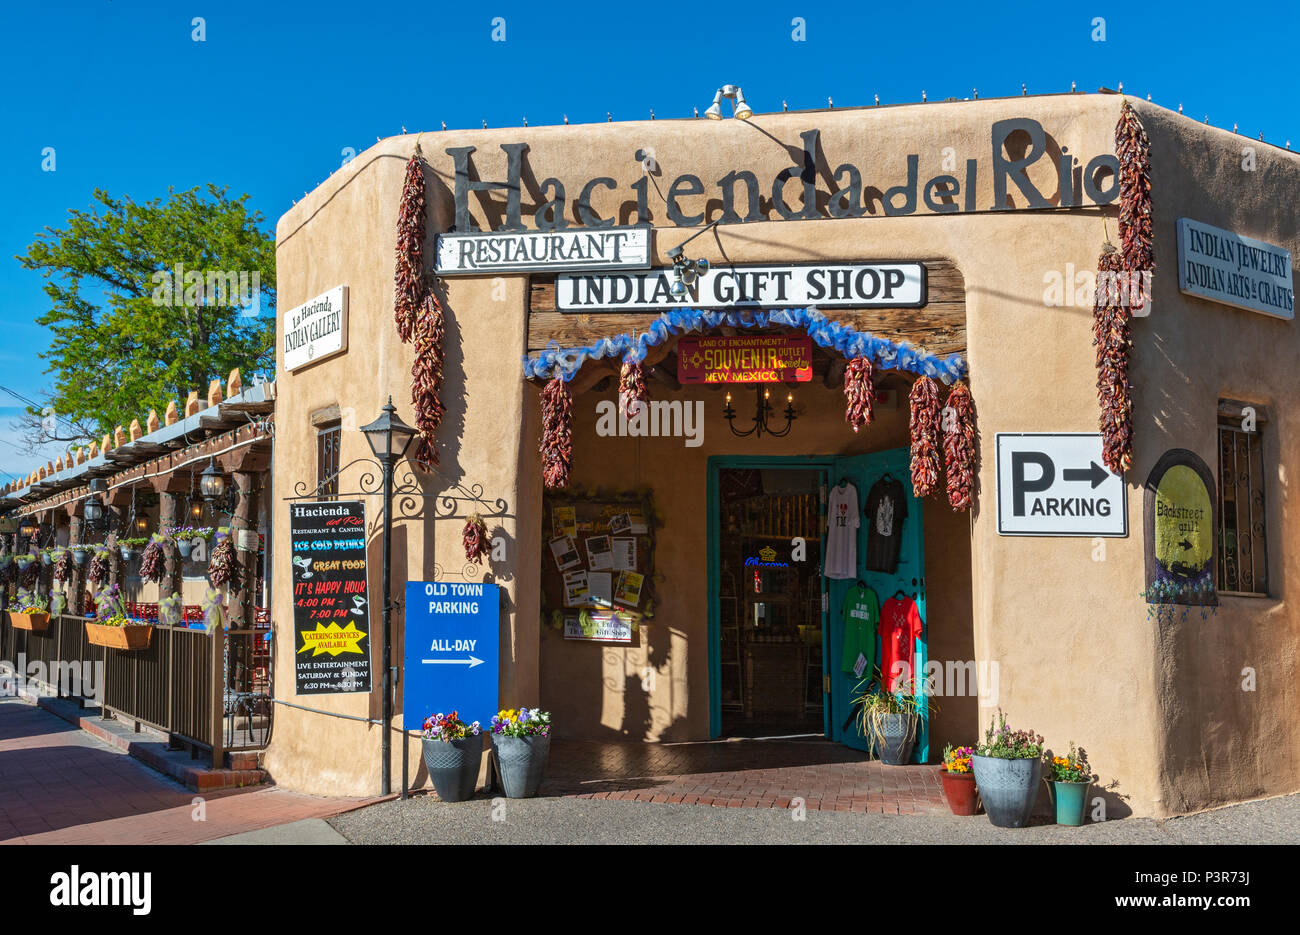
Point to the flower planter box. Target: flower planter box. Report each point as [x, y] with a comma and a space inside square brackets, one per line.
[135, 637]
[36, 623]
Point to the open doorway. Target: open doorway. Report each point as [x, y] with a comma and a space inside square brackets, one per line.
[769, 594]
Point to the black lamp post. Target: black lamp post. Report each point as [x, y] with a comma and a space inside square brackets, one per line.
[388, 437]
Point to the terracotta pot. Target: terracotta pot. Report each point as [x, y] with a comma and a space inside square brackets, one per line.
[133, 637]
[36, 623]
[960, 791]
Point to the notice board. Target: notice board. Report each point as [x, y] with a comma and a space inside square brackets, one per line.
[598, 564]
[331, 613]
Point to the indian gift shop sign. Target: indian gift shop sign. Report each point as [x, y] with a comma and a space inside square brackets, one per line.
[1178, 512]
[793, 193]
[770, 358]
[331, 613]
[316, 329]
[857, 285]
[1225, 267]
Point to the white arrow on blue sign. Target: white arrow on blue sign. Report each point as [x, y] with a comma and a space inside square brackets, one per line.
[452, 651]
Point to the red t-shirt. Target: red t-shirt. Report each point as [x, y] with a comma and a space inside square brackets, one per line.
[900, 625]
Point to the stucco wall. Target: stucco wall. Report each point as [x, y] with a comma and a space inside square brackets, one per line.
[1156, 705]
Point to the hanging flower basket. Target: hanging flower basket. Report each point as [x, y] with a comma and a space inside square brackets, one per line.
[34, 622]
[129, 636]
[79, 555]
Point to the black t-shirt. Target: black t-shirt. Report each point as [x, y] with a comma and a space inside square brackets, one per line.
[885, 511]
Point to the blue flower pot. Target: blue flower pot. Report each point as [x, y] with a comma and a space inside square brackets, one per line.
[1069, 799]
[453, 766]
[898, 735]
[185, 547]
[1008, 788]
[521, 761]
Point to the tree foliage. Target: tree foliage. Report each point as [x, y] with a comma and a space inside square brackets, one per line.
[146, 302]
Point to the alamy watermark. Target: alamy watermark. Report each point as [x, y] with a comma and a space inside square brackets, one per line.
[673, 418]
[181, 288]
[41, 680]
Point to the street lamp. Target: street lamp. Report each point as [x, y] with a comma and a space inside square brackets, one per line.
[388, 437]
[212, 483]
[94, 510]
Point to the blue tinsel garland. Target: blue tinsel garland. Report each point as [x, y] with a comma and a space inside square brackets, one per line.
[565, 362]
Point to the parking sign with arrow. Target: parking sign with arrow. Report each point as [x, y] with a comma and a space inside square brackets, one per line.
[1054, 484]
[452, 651]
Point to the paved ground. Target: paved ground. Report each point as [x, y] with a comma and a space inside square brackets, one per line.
[743, 774]
[58, 785]
[425, 820]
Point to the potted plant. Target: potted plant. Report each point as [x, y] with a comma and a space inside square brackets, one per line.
[1068, 778]
[31, 615]
[47, 557]
[118, 631]
[184, 537]
[958, 779]
[521, 742]
[80, 552]
[129, 547]
[1007, 768]
[888, 719]
[453, 751]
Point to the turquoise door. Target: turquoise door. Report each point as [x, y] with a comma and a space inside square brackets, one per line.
[906, 582]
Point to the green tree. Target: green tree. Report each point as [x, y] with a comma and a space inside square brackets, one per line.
[149, 301]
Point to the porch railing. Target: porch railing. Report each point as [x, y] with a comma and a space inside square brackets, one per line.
[204, 690]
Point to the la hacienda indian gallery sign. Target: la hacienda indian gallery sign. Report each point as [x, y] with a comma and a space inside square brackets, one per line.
[316, 329]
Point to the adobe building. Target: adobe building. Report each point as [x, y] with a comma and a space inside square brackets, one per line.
[672, 591]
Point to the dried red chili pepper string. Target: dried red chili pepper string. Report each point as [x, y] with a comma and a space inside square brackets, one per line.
[926, 443]
[475, 539]
[409, 277]
[858, 392]
[223, 569]
[1133, 149]
[632, 387]
[427, 378]
[1112, 338]
[959, 447]
[557, 434]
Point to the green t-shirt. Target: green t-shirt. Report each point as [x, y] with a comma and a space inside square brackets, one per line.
[861, 613]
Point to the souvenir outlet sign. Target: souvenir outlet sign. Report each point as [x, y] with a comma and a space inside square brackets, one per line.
[467, 254]
[316, 329]
[769, 358]
[826, 285]
[1224, 267]
[331, 613]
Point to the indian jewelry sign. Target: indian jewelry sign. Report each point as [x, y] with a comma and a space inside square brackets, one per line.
[766, 358]
[855, 285]
[1224, 267]
[615, 248]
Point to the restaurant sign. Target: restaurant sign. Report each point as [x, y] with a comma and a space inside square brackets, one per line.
[316, 329]
[1224, 267]
[331, 613]
[523, 251]
[768, 358]
[856, 285]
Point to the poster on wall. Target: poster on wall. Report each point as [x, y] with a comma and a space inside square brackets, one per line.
[1178, 513]
[331, 613]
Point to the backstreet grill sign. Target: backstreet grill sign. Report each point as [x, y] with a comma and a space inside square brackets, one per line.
[826, 285]
[331, 614]
[768, 358]
[614, 248]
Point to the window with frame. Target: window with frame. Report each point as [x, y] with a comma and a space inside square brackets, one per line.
[1243, 548]
[328, 439]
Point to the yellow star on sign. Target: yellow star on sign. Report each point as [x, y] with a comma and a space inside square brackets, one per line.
[333, 639]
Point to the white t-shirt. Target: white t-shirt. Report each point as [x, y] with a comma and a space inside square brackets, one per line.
[842, 532]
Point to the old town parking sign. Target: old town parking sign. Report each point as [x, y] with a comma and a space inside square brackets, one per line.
[452, 655]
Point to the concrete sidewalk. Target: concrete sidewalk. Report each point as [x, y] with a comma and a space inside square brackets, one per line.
[59, 785]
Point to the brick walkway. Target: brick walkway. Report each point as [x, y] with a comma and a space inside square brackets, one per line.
[60, 786]
[742, 774]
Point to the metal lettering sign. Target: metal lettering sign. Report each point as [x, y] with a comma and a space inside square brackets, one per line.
[1224, 267]
[535, 251]
[316, 329]
[331, 614]
[1054, 484]
[452, 651]
[826, 285]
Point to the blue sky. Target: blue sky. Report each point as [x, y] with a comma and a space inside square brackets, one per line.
[268, 102]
